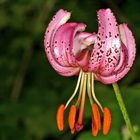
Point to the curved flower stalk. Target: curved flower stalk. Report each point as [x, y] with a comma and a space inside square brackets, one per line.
[106, 56]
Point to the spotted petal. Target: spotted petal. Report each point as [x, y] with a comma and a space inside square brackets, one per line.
[59, 19]
[66, 44]
[128, 56]
[106, 51]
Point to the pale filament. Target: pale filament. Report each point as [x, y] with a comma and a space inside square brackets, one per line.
[76, 89]
[93, 93]
[81, 88]
[89, 89]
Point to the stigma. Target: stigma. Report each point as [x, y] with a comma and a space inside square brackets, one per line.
[85, 86]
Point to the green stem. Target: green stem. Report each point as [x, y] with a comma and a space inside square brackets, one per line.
[124, 111]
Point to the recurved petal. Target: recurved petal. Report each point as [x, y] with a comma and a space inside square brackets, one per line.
[127, 57]
[59, 19]
[129, 41]
[63, 44]
[106, 51]
[70, 51]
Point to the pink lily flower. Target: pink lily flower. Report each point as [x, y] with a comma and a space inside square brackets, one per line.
[106, 56]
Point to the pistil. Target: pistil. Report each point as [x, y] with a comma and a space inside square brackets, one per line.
[79, 124]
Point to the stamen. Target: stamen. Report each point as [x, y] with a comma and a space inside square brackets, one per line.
[94, 127]
[89, 89]
[71, 119]
[96, 120]
[79, 125]
[93, 93]
[75, 91]
[97, 114]
[60, 117]
[80, 91]
[106, 121]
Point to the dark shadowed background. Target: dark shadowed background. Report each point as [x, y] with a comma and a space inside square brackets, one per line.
[31, 91]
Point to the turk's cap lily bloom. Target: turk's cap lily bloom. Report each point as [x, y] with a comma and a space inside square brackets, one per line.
[106, 56]
[109, 53]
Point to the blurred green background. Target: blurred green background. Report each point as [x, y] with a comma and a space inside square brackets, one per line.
[31, 91]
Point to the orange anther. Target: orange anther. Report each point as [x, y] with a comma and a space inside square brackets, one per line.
[106, 121]
[94, 127]
[71, 119]
[60, 117]
[96, 121]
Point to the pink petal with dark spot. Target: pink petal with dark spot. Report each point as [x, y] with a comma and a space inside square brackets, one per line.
[59, 19]
[67, 34]
[129, 54]
[106, 51]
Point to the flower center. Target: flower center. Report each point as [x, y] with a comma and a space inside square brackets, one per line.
[85, 84]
